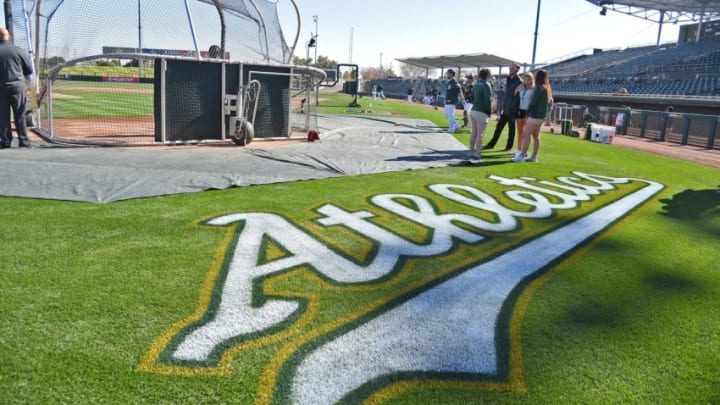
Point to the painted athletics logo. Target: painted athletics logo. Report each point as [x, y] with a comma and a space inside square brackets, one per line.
[433, 302]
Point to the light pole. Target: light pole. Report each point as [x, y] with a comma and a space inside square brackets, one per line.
[310, 44]
[315, 20]
[317, 88]
[139, 41]
[537, 22]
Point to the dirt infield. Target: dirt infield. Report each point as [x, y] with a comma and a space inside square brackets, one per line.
[138, 131]
[707, 157]
[105, 129]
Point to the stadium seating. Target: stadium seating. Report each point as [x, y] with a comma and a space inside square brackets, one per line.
[688, 69]
[670, 69]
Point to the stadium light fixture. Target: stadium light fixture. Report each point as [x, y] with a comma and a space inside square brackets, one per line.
[309, 44]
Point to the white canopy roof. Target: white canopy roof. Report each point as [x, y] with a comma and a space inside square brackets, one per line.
[477, 60]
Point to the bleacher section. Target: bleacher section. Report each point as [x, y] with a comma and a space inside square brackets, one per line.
[598, 62]
[669, 70]
[690, 69]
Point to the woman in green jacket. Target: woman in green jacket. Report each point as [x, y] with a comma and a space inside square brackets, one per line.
[536, 113]
[480, 113]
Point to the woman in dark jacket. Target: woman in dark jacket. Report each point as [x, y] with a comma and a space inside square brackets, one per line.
[536, 113]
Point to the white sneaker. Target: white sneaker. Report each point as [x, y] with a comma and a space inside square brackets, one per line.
[518, 158]
[531, 159]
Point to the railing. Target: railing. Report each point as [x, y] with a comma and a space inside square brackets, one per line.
[685, 129]
[650, 96]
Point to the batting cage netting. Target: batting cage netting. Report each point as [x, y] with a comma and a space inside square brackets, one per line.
[149, 71]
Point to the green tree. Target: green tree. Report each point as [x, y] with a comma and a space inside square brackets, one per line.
[103, 62]
[301, 61]
[54, 61]
[323, 62]
[375, 73]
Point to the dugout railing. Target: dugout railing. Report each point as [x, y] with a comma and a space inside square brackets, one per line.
[685, 129]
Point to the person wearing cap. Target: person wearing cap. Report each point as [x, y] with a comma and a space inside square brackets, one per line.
[453, 92]
[509, 110]
[15, 67]
[467, 95]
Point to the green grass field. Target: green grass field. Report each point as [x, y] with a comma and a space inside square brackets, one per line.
[337, 103]
[93, 295]
[117, 71]
[80, 99]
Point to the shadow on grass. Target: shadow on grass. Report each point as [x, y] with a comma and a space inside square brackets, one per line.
[484, 163]
[459, 156]
[620, 309]
[672, 282]
[691, 204]
[635, 291]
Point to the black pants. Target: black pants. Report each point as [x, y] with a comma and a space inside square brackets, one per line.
[504, 119]
[13, 96]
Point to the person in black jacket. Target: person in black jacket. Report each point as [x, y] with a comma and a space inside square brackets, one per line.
[509, 109]
[15, 67]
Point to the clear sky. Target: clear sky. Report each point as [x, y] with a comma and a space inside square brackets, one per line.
[384, 30]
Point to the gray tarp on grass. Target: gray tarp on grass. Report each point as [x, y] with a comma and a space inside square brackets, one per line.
[349, 146]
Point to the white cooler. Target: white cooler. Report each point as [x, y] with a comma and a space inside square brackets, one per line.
[601, 133]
